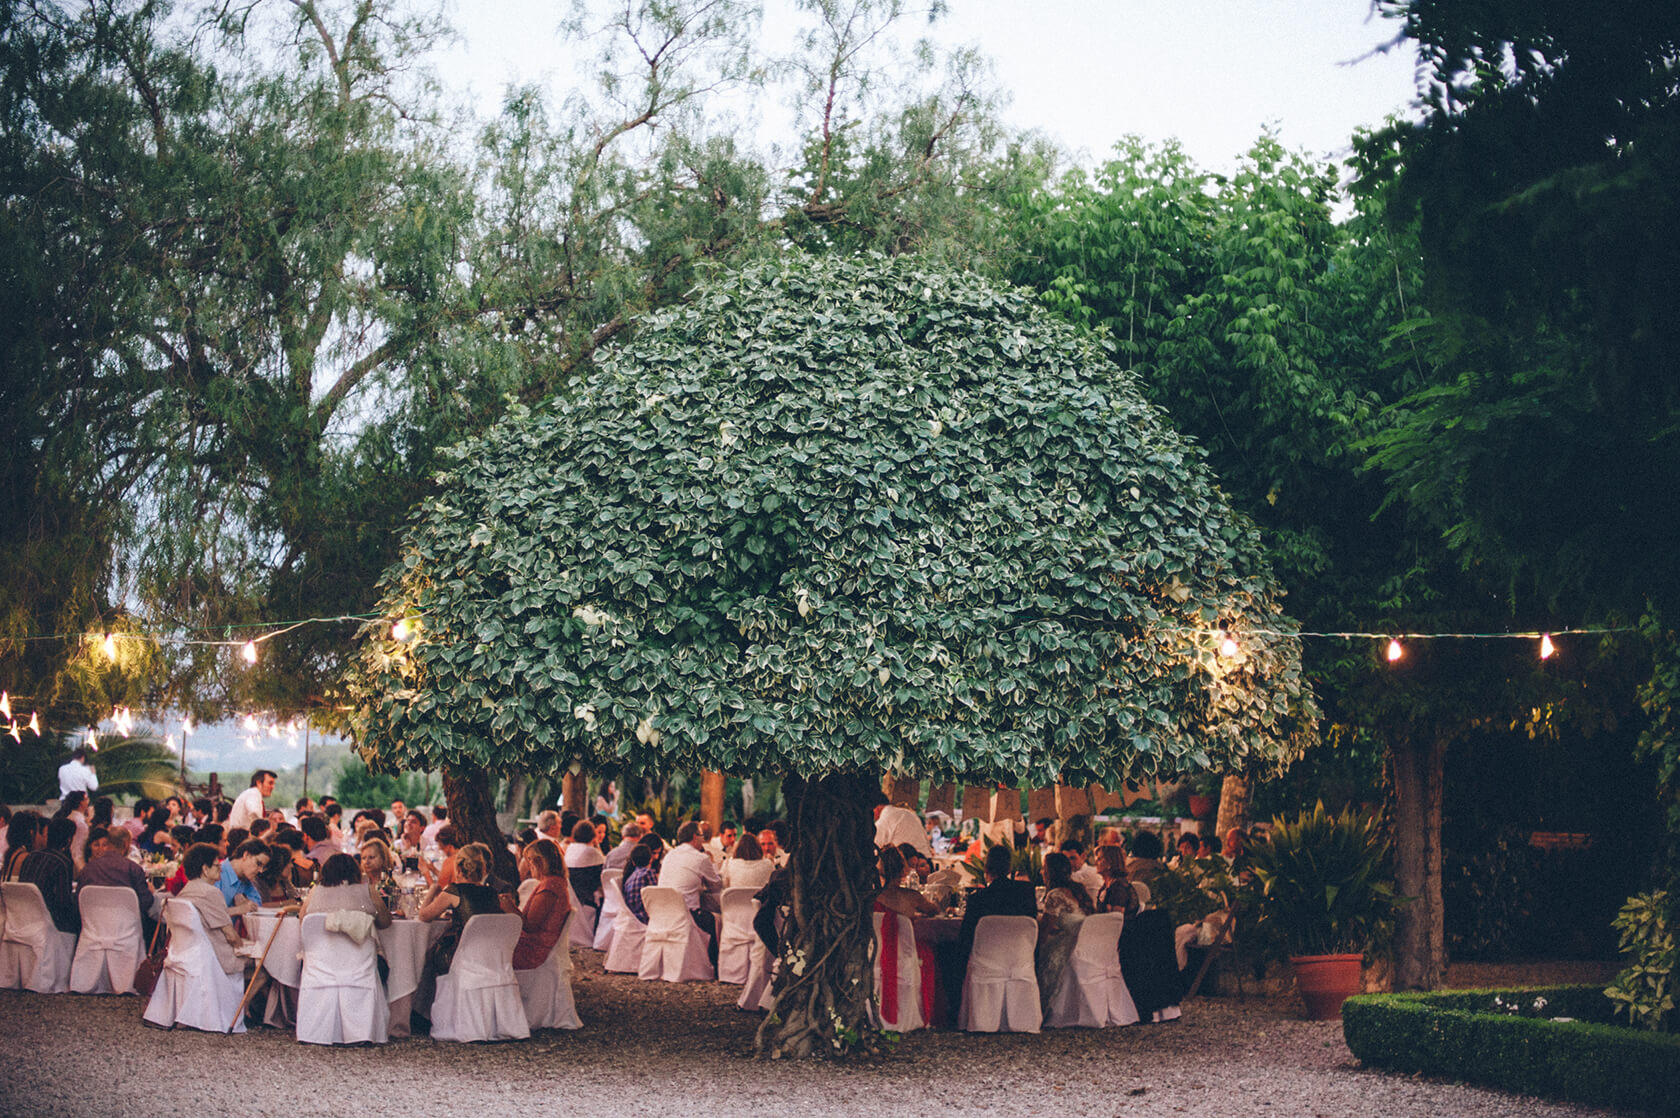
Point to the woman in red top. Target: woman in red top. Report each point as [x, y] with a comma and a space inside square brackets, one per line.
[546, 911]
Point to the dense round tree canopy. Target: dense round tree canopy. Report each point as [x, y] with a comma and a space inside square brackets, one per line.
[837, 516]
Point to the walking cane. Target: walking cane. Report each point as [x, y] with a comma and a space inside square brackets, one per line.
[257, 974]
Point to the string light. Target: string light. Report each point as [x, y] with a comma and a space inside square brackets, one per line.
[188, 726]
[402, 630]
[1228, 647]
[5, 705]
[17, 737]
[249, 652]
[109, 644]
[92, 740]
[1546, 646]
[1395, 651]
[34, 724]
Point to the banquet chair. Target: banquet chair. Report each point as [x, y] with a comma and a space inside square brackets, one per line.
[736, 935]
[34, 954]
[624, 956]
[479, 998]
[192, 989]
[340, 997]
[546, 990]
[1092, 993]
[1000, 990]
[898, 1001]
[112, 942]
[526, 888]
[611, 905]
[674, 948]
[583, 928]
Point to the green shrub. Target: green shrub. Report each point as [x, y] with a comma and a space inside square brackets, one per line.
[1645, 990]
[1467, 1035]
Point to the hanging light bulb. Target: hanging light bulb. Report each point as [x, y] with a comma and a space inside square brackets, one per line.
[250, 723]
[169, 742]
[109, 645]
[34, 724]
[1228, 647]
[402, 630]
[17, 737]
[5, 705]
[1395, 651]
[187, 727]
[249, 652]
[1546, 646]
[92, 739]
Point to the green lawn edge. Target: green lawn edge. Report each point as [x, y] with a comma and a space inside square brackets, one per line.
[1457, 1035]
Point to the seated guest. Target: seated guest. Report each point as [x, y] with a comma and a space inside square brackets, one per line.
[1066, 904]
[448, 844]
[321, 845]
[689, 870]
[641, 875]
[584, 862]
[342, 890]
[618, 858]
[1083, 872]
[1116, 894]
[155, 836]
[213, 834]
[289, 871]
[1188, 847]
[721, 846]
[547, 908]
[895, 824]
[24, 834]
[136, 822]
[1145, 861]
[109, 864]
[467, 896]
[377, 861]
[747, 867]
[238, 879]
[74, 807]
[894, 897]
[203, 892]
[259, 828]
[941, 882]
[1002, 896]
[1212, 847]
[409, 844]
[770, 843]
[51, 870]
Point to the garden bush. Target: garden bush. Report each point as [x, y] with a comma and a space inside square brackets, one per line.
[1515, 1044]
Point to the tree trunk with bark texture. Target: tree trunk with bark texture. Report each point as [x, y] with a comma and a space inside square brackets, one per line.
[1234, 797]
[472, 812]
[513, 799]
[574, 793]
[1415, 786]
[826, 982]
[711, 800]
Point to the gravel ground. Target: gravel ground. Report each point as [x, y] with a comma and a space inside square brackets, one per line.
[656, 1049]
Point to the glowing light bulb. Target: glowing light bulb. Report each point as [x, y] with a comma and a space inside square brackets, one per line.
[17, 737]
[1546, 646]
[402, 630]
[1228, 647]
[109, 644]
[1395, 651]
[249, 652]
[250, 723]
[34, 724]
[5, 705]
[92, 739]
[169, 742]
[187, 727]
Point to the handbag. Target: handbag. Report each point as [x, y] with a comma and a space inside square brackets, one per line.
[146, 974]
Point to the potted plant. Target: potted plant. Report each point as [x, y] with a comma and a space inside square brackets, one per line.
[1324, 900]
[1203, 794]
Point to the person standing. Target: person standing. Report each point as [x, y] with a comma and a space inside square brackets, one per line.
[249, 806]
[75, 775]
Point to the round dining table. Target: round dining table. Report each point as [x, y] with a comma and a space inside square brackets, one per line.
[403, 946]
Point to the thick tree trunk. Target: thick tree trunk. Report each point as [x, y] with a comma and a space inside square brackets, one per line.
[1415, 774]
[574, 793]
[711, 800]
[472, 811]
[1234, 796]
[513, 800]
[825, 984]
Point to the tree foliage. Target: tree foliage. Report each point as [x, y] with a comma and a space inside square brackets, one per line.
[836, 516]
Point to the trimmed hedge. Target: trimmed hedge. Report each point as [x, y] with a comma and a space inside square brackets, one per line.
[1459, 1035]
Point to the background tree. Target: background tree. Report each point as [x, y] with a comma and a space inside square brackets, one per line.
[830, 518]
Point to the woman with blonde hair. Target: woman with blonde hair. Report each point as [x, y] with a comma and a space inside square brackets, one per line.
[468, 896]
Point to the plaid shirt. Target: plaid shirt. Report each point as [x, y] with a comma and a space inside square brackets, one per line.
[639, 879]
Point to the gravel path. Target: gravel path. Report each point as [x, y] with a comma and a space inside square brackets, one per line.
[655, 1049]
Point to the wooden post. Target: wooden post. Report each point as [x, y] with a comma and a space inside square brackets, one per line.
[711, 800]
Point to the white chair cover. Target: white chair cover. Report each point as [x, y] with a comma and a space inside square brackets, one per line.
[1092, 993]
[340, 998]
[625, 954]
[1000, 991]
[735, 935]
[583, 928]
[112, 942]
[192, 989]
[761, 974]
[546, 991]
[479, 998]
[674, 947]
[34, 954]
[612, 889]
[526, 888]
[909, 984]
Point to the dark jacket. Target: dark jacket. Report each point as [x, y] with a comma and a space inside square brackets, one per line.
[49, 871]
[1007, 897]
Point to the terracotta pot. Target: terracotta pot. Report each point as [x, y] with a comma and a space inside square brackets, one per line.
[1201, 806]
[1325, 981]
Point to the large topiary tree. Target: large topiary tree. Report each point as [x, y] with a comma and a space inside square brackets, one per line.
[836, 517]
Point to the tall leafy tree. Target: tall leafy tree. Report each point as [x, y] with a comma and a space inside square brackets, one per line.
[830, 518]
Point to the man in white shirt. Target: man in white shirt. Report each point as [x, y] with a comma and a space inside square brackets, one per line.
[1083, 872]
[722, 845]
[440, 819]
[688, 869]
[249, 805]
[895, 825]
[76, 776]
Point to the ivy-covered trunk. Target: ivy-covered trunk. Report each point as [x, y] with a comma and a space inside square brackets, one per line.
[472, 810]
[825, 985]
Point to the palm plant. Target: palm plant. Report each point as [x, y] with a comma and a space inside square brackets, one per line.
[1322, 883]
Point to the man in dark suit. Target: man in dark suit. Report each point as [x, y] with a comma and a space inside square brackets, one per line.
[1002, 896]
